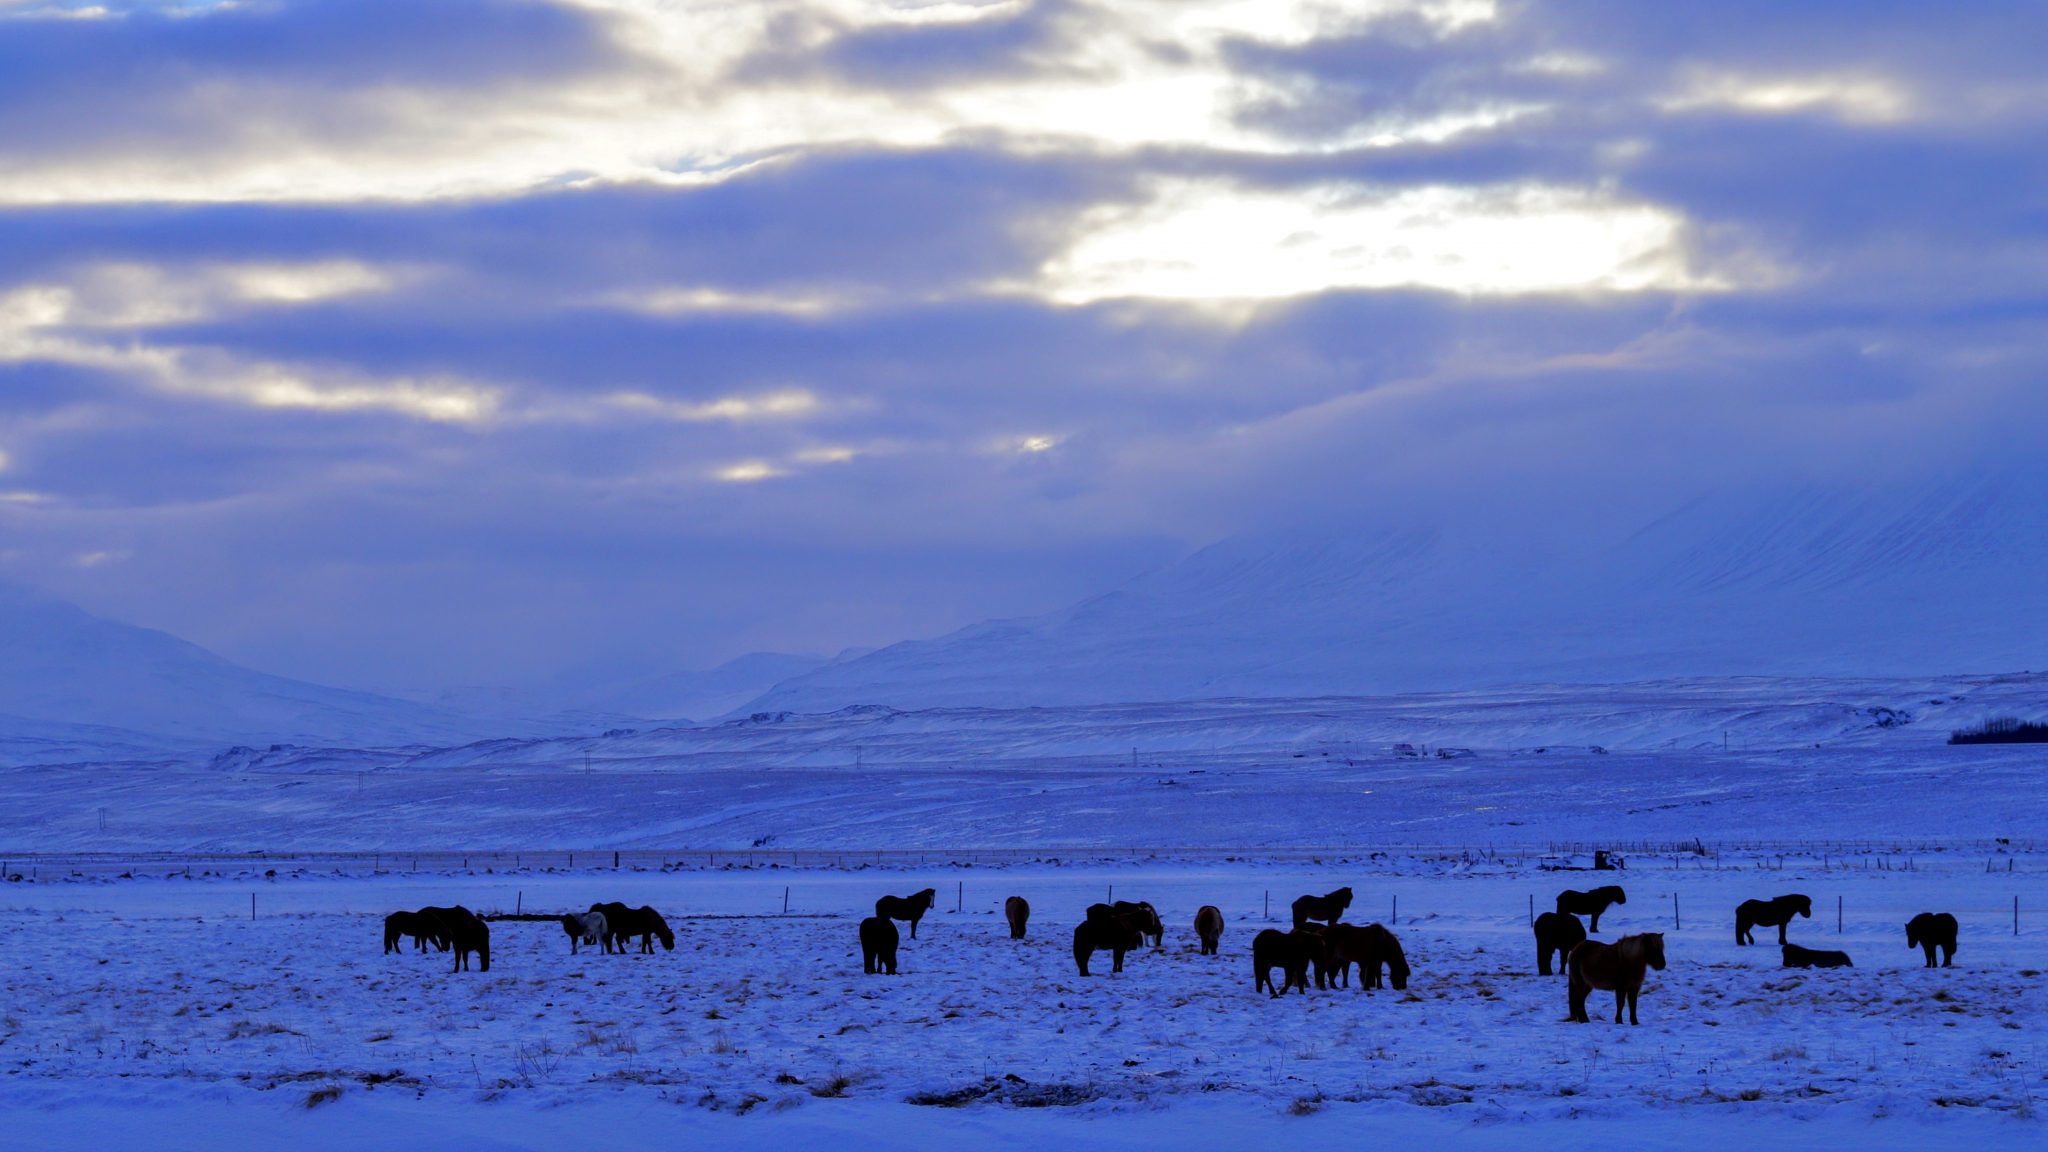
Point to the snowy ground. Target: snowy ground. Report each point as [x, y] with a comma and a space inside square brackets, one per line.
[159, 1006]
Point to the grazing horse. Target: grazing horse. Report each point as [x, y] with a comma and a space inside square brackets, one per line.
[1017, 911]
[1144, 918]
[1616, 967]
[1797, 957]
[587, 928]
[1374, 949]
[467, 933]
[1292, 953]
[623, 923]
[1590, 904]
[878, 940]
[1209, 927]
[421, 926]
[1329, 909]
[1105, 931]
[1773, 913]
[1931, 930]
[911, 907]
[1557, 932]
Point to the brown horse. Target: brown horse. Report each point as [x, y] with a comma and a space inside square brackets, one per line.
[467, 933]
[911, 908]
[421, 926]
[623, 923]
[1292, 953]
[1797, 957]
[1572, 902]
[1105, 931]
[1017, 911]
[1931, 930]
[1616, 967]
[1144, 918]
[1558, 932]
[878, 940]
[1328, 908]
[1209, 927]
[1773, 913]
[1375, 950]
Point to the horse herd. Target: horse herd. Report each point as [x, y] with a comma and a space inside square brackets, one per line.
[1320, 942]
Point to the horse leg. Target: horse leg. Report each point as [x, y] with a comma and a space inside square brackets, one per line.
[1742, 932]
[1577, 998]
[913, 926]
[1597, 910]
[1620, 999]
[1782, 925]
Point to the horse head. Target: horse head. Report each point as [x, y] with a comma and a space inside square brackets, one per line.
[1614, 893]
[1339, 901]
[1805, 906]
[1653, 949]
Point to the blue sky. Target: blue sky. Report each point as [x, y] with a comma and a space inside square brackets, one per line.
[438, 341]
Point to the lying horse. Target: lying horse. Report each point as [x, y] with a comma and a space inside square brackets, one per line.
[1931, 930]
[911, 908]
[1797, 957]
[1374, 949]
[1292, 953]
[1557, 932]
[1144, 918]
[421, 926]
[1017, 911]
[1616, 967]
[467, 934]
[1329, 909]
[623, 923]
[878, 940]
[586, 928]
[1105, 931]
[1774, 913]
[1571, 902]
[1209, 927]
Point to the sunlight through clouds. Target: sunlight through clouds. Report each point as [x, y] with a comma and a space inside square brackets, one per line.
[1858, 99]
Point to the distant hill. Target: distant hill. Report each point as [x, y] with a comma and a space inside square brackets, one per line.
[1939, 578]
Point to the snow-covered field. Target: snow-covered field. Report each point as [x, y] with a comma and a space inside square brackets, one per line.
[158, 1006]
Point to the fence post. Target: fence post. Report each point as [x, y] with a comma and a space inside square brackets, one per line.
[519, 903]
[1269, 904]
[785, 899]
[2015, 915]
[1532, 909]
[615, 861]
[2015, 903]
[1676, 924]
[1395, 916]
[959, 894]
[1838, 915]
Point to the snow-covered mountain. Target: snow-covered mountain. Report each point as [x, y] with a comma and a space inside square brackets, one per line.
[1938, 578]
[602, 700]
[69, 678]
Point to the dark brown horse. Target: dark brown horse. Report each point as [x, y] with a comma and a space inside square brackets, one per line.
[1616, 967]
[1375, 950]
[1328, 908]
[466, 933]
[878, 940]
[1209, 927]
[1797, 957]
[1017, 911]
[1572, 902]
[1144, 918]
[1292, 953]
[1558, 932]
[1105, 931]
[1772, 913]
[622, 924]
[1931, 930]
[911, 907]
[421, 926]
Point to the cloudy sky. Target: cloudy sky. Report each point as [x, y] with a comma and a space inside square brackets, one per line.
[395, 343]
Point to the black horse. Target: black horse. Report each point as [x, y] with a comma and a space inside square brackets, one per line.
[1797, 957]
[1145, 918]
[1590, 904]
[1105, 931]
[1375, 950]
[622, 924]
[878, 940]
[1773, 913]
[911, 907]
[1292, 953]
[1931, 930]
[1557, 932]
[467, 933]
[1328, 908]
[421, 926]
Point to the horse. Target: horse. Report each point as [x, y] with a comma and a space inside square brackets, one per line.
[911, 907]
[1931, 930]
[466, 933]
[421, 926]
[1105, 931]
[1616, 967]
[1557, 932]
[1145, 918]
[1017, 911]
[1209, 927]
[1329, 909]
[1776, 912]
[878, 940]
[1374, 949]
[1292, 953]
[587, 928]
[1797, 957]
[1590, 904]
[623, 923]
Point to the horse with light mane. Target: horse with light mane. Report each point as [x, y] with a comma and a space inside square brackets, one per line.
[1618, 967]
[587, 928]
